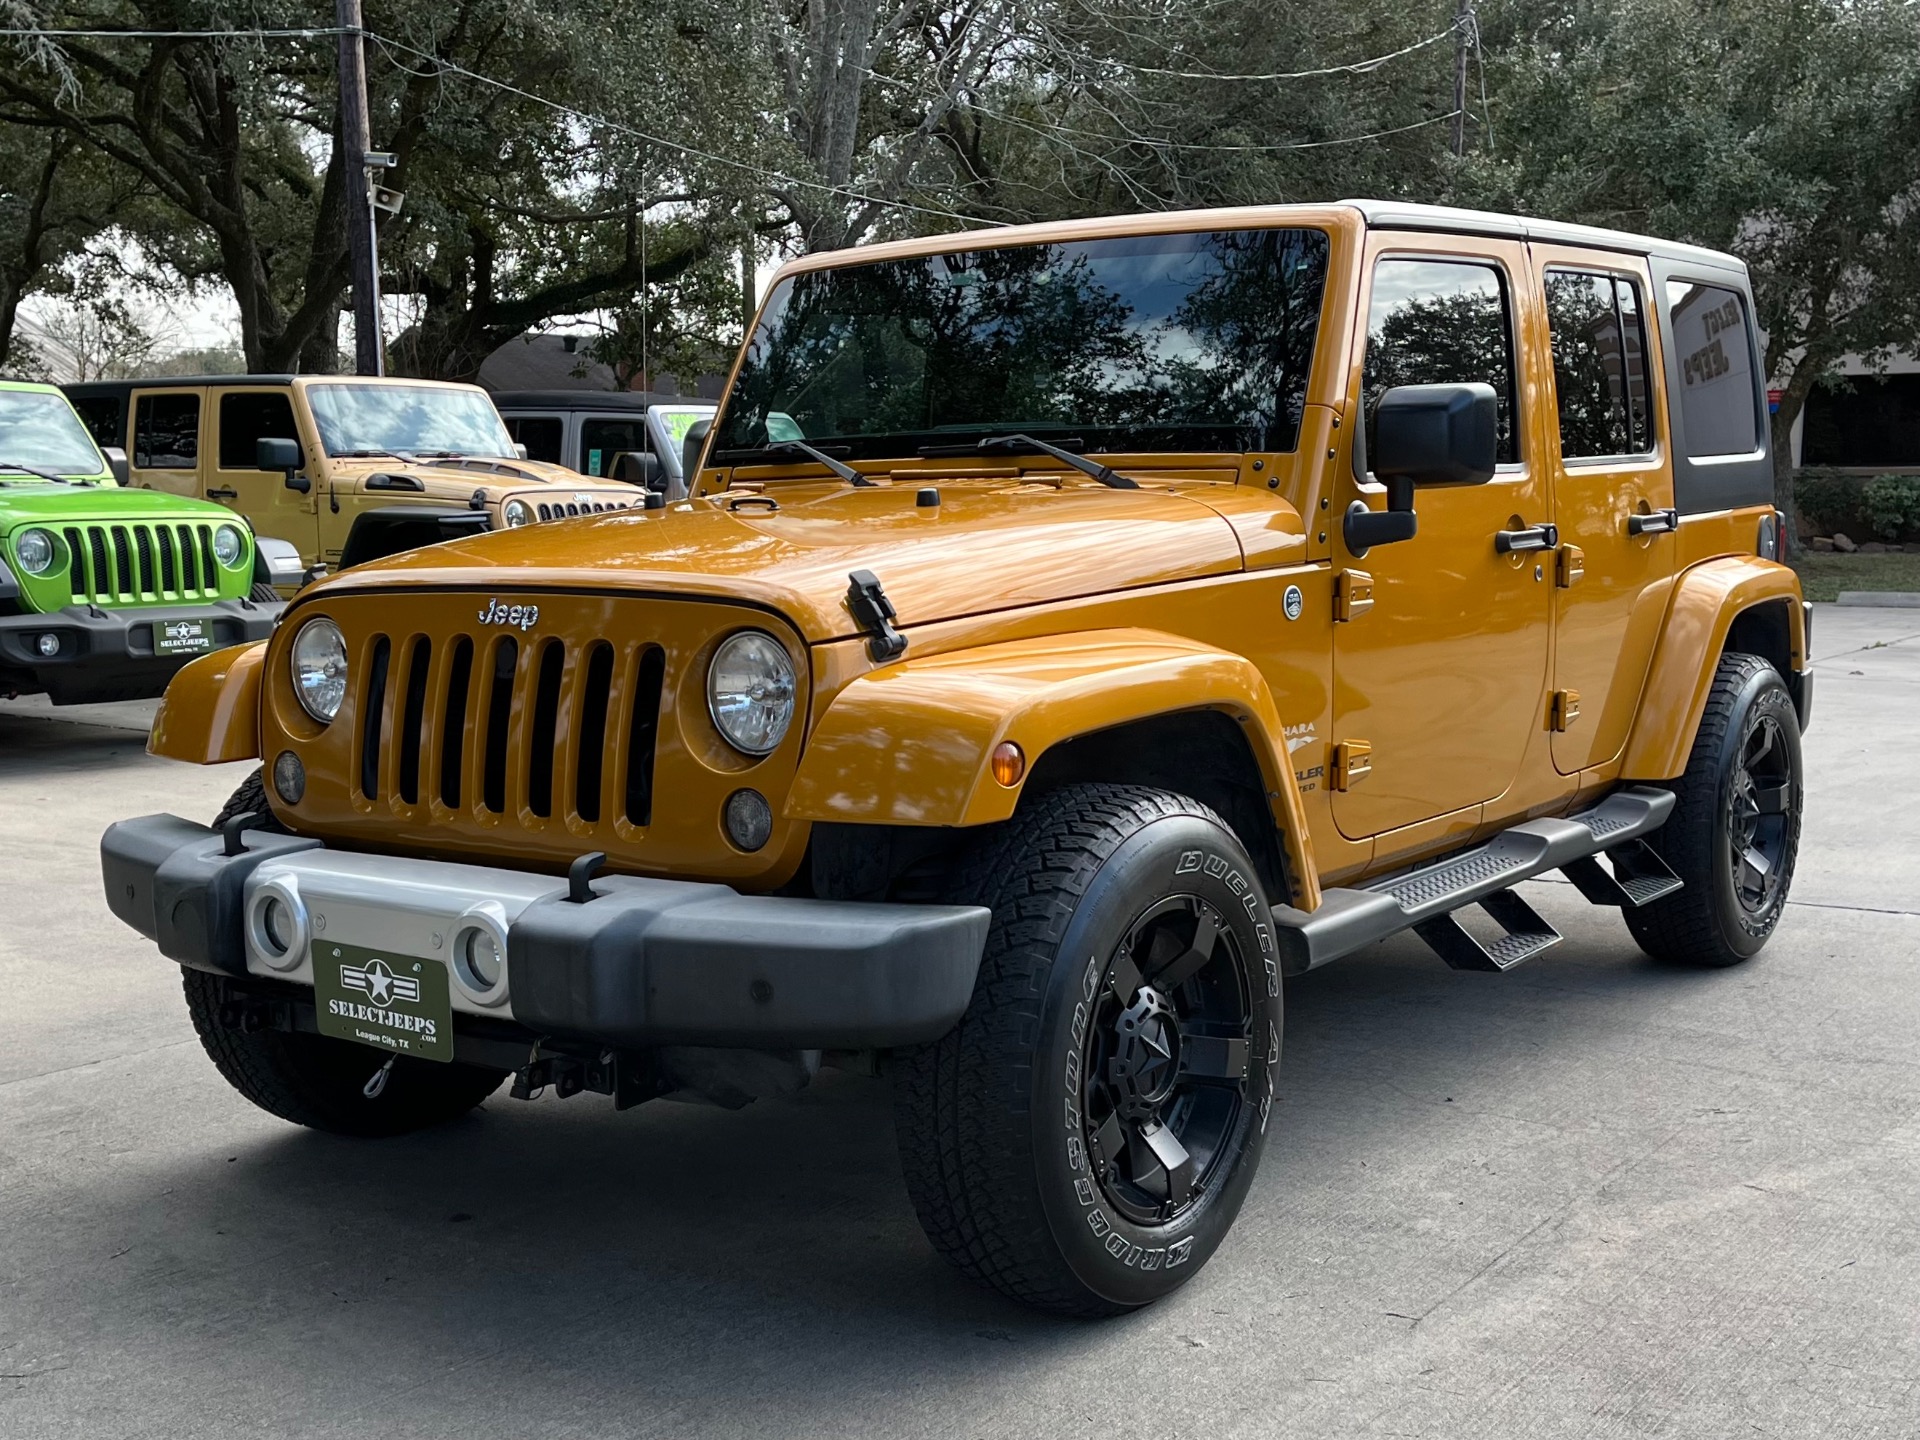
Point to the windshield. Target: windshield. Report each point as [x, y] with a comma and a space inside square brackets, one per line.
[407, 420]
[41, 430]
[1149, 342]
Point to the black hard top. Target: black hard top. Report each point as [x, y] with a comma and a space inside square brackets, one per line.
[590, 400]
[169, 382]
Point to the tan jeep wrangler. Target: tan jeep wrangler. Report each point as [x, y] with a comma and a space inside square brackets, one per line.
[1154, 608]
[345, 468]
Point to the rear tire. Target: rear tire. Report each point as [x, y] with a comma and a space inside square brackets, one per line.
[1130, 989]
[1735, 829]
[316, 1080]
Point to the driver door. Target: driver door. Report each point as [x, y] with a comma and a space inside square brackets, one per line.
[1439, 684]
[241, 418]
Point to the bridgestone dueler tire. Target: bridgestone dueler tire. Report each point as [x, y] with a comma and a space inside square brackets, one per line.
[1705, 924]
[988, 1117]
[318, 1081]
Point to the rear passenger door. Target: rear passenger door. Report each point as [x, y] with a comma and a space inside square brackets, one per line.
[165, 454]
[241, 419]
[1612, 481]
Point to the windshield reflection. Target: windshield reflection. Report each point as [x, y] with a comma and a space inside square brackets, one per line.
[41, 430]
[408, 420]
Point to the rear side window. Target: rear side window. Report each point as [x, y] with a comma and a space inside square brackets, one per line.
[1440, 322]
[1599, 364]
[1719, 411]
[246, 419]
[106, 417]
[166, 432]
[541, 434]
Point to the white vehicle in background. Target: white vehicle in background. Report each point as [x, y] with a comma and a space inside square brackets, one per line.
[636, 436]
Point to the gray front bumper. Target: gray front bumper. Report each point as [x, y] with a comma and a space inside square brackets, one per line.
[644, 963]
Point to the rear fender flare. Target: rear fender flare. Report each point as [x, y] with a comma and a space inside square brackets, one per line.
[1706, 601]
[912, 743]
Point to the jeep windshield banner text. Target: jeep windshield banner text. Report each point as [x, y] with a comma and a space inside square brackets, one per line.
[1159, 342]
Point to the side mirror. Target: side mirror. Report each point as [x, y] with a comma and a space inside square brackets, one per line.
[690, 448]
[273, 452]
[1424, 435]
[116, 462]
[639, 467]
[520, 452]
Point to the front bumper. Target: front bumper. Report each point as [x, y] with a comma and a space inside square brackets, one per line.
[644, 963]
[109, 654]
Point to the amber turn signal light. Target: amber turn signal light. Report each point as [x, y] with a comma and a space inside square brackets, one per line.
[1009, 763]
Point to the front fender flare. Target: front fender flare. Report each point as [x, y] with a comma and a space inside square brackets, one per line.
[211, 711]
[1706, 601]
[910, 744]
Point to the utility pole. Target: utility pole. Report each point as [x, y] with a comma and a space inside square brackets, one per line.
[1462, 26]
[362, 255]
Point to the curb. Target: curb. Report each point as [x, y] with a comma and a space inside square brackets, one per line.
[1886, 599]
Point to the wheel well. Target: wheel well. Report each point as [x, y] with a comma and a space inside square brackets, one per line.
[1765, 630]
[1203, 754]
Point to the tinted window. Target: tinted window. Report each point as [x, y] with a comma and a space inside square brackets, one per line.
[166, 432]
[1154, 342]
[1599, 364]
[601, 440]
[247, 419]
[539, 433]
[106, 417]
[1440, 322]
[1719, 410]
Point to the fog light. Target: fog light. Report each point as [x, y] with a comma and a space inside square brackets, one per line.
[48, 645]
[1009, 763]
[480, 956]
[277, 925]
[749, 819]
[289, 777]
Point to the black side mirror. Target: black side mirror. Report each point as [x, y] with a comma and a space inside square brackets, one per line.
[690, 448]
[274, 452]
[1424, 435]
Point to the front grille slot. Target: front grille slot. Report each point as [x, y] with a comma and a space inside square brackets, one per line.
[123, 559]
[100, 580]
[493, 780]
[206, 555]
[373, 719]
[453, 722]
[412, 729]
[540, 734]
[169, 568]
[592, 731]
[649, 671]
[189, 566]
[143, 553]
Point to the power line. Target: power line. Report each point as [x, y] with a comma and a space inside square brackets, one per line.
[1356, 67]
[307, 33]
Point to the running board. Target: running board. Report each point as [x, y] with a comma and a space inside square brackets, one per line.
[1350, 919]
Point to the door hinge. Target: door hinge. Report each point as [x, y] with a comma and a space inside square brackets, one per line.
[1352, 763]
[1569, 566]
[1564, 710]
[1352, 594]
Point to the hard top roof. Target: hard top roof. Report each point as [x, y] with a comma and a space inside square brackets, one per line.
[1375, 214]
[188, 382]
[592, 400]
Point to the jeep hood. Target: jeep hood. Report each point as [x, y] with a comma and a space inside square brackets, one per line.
[982, 548]
[24, 500]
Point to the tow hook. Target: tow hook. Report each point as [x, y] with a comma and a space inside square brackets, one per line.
[374, 1086]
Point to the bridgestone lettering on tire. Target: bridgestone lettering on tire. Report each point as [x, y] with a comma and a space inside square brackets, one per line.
[1735, 829]
[1083, 1139]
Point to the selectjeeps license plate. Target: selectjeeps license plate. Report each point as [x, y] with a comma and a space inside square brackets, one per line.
[391, 1002]
[182, 637]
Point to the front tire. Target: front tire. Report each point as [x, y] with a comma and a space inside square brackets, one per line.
[1735, 829]
[1083, 1139]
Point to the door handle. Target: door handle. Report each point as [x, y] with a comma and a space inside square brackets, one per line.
[223, 494]
[1658, 523]
[1534, 537]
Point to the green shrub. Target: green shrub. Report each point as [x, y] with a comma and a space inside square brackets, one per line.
[1891, 504]
[1829, 501]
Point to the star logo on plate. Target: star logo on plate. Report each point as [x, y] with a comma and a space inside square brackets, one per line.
[379, 984]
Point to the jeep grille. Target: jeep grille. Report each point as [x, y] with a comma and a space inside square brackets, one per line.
[557, 511]
[143, 563]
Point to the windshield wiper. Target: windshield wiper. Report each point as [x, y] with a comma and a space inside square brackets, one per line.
[1028, 445]
[405, 455]
[36, 471]
[800, 447]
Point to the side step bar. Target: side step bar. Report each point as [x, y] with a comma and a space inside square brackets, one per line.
[1425, 897]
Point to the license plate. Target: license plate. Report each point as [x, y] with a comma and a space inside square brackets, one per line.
[182, 637]
[391, 1002]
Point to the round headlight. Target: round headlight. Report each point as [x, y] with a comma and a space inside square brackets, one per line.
[34, 550]
[228, 545]
[320, 669]
[516, 513]
[750, 691]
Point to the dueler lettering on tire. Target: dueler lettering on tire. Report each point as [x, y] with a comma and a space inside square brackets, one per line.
[1140, 1085]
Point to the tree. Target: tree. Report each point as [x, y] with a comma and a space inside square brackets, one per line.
[1786, 131]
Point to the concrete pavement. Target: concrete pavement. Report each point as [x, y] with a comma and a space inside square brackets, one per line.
[1589, 1198]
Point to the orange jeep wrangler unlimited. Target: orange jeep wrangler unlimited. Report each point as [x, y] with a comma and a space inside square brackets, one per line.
[1153, 608]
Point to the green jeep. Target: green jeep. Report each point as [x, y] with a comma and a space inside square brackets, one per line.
[105, 592]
